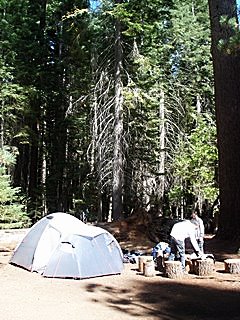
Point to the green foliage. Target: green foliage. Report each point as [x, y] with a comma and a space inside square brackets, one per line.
[191, 60]
[13, 95]
[230, 45]
[166, 50]
[12, 213]
[13, 99]
[58, 64]
[195, 164]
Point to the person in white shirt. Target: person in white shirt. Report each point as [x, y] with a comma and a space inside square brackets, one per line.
[199, 230]
[179, 233]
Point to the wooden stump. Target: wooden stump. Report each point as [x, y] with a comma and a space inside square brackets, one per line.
[141, 260]
[203, 267]
[232, 266]
[173, 269]
[149, 268]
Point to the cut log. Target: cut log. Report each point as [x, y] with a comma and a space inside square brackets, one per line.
[173, 269]
[149, 269]
[232, 266]
[204, 267]
[141, 260]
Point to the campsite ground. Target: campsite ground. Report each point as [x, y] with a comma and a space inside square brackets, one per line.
[131, 295]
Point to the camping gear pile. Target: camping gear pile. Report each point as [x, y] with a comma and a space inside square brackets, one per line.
[60, 245]
[131, 256]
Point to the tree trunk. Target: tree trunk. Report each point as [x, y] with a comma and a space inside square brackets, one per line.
[227, 99]
[162, 146]
[118, 129]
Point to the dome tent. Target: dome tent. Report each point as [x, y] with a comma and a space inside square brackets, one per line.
[60, 245]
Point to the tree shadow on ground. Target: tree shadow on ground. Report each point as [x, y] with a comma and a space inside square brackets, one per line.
[166, 299]
[169, 300]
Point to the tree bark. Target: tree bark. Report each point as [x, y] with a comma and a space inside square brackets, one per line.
[232, 266]
[204, 267]
[227, 100]
[118, 128]
[173, 269]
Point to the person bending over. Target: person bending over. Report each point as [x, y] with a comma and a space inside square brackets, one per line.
[179, 233]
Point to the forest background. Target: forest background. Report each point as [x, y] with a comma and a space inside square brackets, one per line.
[107, 108]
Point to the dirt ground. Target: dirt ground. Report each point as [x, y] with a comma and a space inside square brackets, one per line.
[131, 295]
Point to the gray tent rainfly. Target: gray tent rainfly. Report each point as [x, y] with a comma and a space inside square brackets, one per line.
[60, 245]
